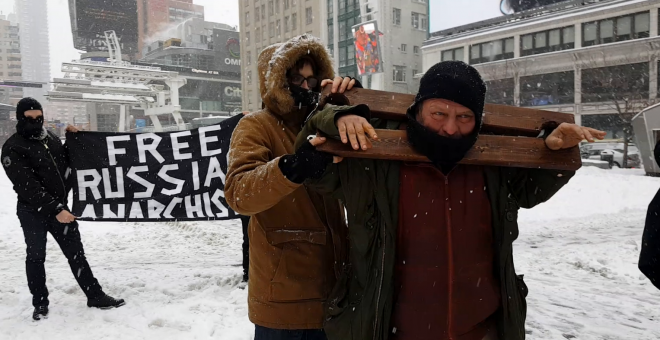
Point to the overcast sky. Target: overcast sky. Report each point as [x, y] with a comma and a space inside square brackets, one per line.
[444, 14]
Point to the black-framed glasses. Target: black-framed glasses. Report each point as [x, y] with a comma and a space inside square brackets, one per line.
[298, 80]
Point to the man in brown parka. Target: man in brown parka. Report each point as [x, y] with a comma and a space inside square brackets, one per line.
[295, 234]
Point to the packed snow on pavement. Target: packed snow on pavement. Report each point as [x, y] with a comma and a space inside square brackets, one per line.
[181, 280]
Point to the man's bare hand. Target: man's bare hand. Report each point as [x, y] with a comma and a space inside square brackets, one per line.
[318, 140]
[357, 130]
[339, 85]
[567, 135]
[65, 217]
[71, 128]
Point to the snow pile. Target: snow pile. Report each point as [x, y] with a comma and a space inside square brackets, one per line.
[578, 252]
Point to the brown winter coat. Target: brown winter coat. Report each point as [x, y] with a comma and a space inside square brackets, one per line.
[295, 245]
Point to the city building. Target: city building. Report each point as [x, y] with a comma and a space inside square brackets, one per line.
[402, 28]
[207, 55]
[156, 16]
[10, 62]
[32, 17]
[265, 22]
[73, 113]
[596, 60]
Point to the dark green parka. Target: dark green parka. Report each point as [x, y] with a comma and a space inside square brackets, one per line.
[360, 306]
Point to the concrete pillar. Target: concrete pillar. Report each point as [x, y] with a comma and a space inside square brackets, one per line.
[516, 89]
[577, 85]
[654, 22]
[653, 77]
[122, 119]
[516, 46]
[578, 35]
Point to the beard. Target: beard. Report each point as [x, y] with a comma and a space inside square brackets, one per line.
[444, 152]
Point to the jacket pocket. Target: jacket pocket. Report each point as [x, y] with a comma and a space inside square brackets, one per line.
[303, 266]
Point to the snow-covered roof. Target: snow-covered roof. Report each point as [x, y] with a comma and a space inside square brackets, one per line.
[646, 109]
[519, 23]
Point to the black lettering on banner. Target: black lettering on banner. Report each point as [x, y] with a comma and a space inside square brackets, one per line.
[169, 176]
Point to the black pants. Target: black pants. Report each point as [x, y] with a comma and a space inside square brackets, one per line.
[245, 220]
[263, 333]
[35, 226]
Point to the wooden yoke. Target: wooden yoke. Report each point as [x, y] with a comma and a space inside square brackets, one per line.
[508, 134]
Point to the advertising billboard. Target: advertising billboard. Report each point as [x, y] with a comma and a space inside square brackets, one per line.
[227, 48]
[367, 48]
[91, 18]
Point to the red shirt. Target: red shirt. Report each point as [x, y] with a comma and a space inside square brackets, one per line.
[445, 283]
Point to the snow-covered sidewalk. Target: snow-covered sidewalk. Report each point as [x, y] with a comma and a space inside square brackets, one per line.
[182, 280]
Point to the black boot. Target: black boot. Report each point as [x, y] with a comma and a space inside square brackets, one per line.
[40, 312]
[105, 302]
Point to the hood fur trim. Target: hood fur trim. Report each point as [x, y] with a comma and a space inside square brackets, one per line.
[277, 97]
[263, 61]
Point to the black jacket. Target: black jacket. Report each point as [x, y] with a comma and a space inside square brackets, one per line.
[39, 170]
[649, 258]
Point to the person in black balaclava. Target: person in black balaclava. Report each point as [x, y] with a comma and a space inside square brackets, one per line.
[431, 237]
[37, 164]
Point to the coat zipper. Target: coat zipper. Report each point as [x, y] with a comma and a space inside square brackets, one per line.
[382, 270]
[450, 260]
[56, 169]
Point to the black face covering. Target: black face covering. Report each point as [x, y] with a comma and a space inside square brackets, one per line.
[305, 100]
[31, 128]
[444, 152]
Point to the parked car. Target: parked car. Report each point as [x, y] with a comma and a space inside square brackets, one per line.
[594, 151]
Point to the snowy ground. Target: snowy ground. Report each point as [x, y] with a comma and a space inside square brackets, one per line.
[181, 280]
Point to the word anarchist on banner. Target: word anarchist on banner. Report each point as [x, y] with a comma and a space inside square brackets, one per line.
[174, 176]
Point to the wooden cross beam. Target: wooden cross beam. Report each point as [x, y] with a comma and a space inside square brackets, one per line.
[508, 134]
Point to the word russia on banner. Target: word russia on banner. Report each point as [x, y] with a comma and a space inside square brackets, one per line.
[170, 176]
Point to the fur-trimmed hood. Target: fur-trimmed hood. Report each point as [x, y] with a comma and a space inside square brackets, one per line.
[275, 93]
[264, 58]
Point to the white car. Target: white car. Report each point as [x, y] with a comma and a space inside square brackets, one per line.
[595, 150]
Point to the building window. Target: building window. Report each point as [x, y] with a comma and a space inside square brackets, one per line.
[286, 4]
[455, 54]
[606, 84]
[278, 26]
[342, 56]
[350, 55]
[247, 18]
[294, 20]
[249, 77]
[403, 47]
[548, 41]
[257, 14]
[416, 49]
[257, 35]
[396, 16]
[627, 27]
[331, 33]
[491, 51]
[249, 57]
[247, 38]
[343, 32]
[271, 29]
[263, 12]
[263, 33]
[309, 16]
[287, 22]
[419, 21]
[547, 89]
[500, 91]
[271, 9]
[277, 6]
[399, 73]
[331, 7]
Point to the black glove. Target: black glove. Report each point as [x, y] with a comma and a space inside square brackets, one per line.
[306, 163]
